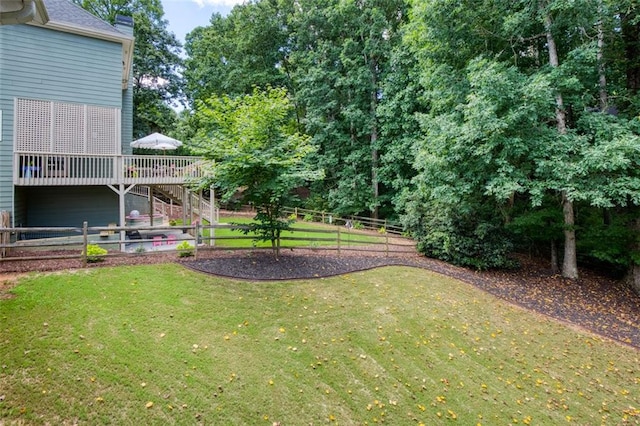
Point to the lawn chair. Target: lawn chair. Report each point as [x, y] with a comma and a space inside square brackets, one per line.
[157, 240]
[171, 239]
[134, 235]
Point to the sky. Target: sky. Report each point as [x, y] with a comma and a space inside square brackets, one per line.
[185, 15]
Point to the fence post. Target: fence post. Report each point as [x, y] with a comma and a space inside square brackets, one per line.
[197, 232]
[5, 237]
[85, 242]
[338, 240]
[386, 241]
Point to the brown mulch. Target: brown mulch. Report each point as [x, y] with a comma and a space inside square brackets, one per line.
[601, 305]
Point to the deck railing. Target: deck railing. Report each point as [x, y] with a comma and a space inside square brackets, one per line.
[48, 169]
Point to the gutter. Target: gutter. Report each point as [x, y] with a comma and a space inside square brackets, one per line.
[21, 16]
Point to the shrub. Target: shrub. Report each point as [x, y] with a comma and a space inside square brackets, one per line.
[308, 217]
[293, 217]
[472, 238]
[185, 249]
[382, 230]
[357, 224]
[173, 222]
[95, 253]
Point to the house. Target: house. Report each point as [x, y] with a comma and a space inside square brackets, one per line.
[66, 108]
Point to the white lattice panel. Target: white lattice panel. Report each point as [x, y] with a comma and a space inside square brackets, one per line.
[33, 125]
[103, 131]
[69, 128]
[45, 126]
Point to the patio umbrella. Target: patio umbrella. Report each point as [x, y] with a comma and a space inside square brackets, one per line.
[164, 146]
[156, 141]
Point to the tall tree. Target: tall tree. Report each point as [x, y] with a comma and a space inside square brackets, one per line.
[341, 53]
[233, 54]
[157, 64]
[551, 49]
[570, 259]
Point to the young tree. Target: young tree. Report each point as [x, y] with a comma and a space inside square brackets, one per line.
[256, 152]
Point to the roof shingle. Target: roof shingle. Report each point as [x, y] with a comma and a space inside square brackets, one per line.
[66, 12]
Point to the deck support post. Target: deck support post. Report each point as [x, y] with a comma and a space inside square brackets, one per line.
[122, 190]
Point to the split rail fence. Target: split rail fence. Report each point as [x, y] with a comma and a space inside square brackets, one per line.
[72, 242]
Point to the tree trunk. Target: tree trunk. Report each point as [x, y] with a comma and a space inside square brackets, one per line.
[554, 257]
[375, 184]
[602, 78]
[633, 273]
[570, 260]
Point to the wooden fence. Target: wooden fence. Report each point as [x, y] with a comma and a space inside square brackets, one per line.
[72, 242]
[349, 221]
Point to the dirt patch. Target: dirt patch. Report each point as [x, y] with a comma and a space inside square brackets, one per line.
[7, 282]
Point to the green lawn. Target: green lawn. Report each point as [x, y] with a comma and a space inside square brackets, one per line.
[160, 344]
[305, 234]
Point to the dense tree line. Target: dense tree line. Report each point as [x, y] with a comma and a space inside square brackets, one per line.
[484, 125]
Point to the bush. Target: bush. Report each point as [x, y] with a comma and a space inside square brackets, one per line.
[185, 249]
[308, 217]
[95, 253]
[473, 238]
[358, 225]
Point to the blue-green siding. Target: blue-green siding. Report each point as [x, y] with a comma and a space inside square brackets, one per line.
[40, 63]
[127, 104]
[69, 206]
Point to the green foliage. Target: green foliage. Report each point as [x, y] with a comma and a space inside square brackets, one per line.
[606, 242]
[185, 249]
[157, 62]
[95, 253]
[256, 154]
[470, 235]
[308, 217]
[238, 52]
[339, 69]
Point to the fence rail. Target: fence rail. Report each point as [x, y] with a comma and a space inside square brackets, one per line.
[357, 222]
[72, 242]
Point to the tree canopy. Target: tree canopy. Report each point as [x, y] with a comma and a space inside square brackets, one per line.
[157, 64]
[256, 154]
[486, 126]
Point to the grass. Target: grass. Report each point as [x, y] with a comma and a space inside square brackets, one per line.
[163, 345]
[306, 234]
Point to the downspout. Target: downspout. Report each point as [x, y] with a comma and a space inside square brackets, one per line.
[22, 16]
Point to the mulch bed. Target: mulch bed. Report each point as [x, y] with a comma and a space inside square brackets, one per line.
[596, 303]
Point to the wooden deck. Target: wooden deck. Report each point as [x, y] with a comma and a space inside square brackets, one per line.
[54, 169]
